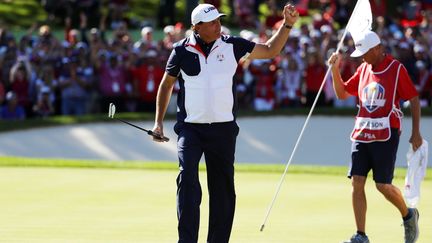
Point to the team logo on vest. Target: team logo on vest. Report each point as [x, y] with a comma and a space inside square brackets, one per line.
[220, 57]
[373, 96]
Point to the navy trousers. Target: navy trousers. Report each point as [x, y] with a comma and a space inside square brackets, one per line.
[217, 142]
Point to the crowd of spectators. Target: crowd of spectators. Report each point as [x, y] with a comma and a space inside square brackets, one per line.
[41, 75]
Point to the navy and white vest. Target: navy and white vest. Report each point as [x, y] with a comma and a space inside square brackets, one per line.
[207, 91]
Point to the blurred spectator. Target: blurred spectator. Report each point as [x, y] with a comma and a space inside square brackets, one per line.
[244, 12]
[170, 37]
[274, 16]
[424, 85]
[406, 57]
[24, 47]
[378, 7]
[122, 41]
[426, 28]
[326, 39]
[74, 88]
[318, 20]
[72, 37]
[410, 35]
[8, 60]
[46, 48]
[112, 81]
[314, 76]
[147, 76]
[179, 30]
[265, 74]
[146, 42]
[411, 14]
[12, 110]
[245, 84]
[96, 43]
[421, 54]
[343, 11]
[47, 81]
[46, 37]
[381, 28]
[20, 84]
[288, 85]
[3, 33]
[44, 106]
[86, 71]
[302, 7]
[240, 87]
[328, 9]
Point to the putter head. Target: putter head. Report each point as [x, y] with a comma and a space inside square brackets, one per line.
[111, 110]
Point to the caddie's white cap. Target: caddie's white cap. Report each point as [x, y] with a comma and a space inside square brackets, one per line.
[366, 41]
[205, 13]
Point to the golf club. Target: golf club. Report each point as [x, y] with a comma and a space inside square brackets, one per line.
[111, 113]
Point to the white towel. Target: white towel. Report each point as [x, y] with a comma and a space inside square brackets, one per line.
[417, 165]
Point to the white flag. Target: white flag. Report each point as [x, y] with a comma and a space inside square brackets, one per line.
[361, 19]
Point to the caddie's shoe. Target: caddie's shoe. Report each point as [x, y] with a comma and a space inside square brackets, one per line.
[411, 226]
[358, 238]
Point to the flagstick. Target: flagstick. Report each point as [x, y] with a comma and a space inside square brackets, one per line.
[307, 121]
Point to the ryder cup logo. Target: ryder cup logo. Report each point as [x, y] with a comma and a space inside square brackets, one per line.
[373, 97]
[220, 57]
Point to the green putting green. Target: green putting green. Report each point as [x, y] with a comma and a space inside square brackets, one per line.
[47, 204]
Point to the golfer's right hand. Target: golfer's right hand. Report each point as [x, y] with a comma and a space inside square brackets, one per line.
[334, 60]
[158, 131]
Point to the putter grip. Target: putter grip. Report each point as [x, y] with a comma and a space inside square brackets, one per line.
[157, 136]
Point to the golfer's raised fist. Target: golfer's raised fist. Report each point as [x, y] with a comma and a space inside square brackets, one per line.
[290, 14]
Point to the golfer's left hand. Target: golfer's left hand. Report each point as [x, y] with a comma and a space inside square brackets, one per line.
[416, 141]
[290, 14]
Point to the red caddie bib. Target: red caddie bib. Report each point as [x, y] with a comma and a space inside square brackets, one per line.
[376, 91]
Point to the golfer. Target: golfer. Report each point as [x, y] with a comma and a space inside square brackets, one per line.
[380, 82]
[204, 63]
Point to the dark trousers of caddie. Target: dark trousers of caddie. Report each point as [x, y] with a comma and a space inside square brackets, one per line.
[217, 142]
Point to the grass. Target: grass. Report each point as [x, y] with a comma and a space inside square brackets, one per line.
[167, 165]
[70, 202]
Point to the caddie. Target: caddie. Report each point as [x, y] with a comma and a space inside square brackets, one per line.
[380, 83]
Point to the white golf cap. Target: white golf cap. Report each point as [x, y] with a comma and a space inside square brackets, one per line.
[205, 13]
[366, 41]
